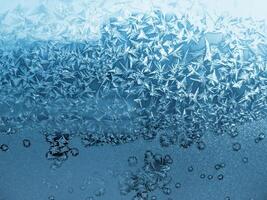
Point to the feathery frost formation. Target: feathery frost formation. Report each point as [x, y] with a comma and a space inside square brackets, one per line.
[148, 74]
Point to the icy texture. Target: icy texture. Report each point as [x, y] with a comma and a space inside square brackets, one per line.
[154, 175]
[147, 74]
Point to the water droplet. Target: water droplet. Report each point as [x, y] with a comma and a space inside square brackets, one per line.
[210, 177]
[190, 169]
[222, 165]
[4, 147]
[236, 146]
[178, 185]
[217, 166]
[26, 143]
[153, 198]
[257, 140]
[220, 177]
[51, 197]
[245, 159]
[202, 176]
[261, 136]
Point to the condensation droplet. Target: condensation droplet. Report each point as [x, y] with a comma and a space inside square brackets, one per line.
[51, 197]
[4, 147]
[245, 159]
[220, 177]
[236, 146]
[261, 136]
[202, 176]
[178, 185]
[26, 143]
[190, 169]
[217, 166]
[153, 198]
[210, 177]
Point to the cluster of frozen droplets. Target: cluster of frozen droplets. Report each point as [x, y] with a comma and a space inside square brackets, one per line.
[153, 176]
[147, 74]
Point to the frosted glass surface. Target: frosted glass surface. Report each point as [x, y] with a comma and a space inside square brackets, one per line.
[133, 100]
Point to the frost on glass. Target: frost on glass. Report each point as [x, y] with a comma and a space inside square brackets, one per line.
[124, 75]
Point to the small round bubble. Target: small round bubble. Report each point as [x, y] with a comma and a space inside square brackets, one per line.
[178, 185]
[236, 146]
[220, 177]
[190, 169]
[153, 198]
[245, 159]
[210, 177]
[202, 176]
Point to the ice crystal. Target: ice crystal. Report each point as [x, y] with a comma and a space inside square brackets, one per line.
[146, 74]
